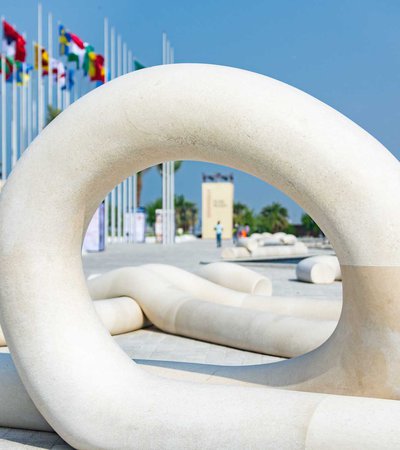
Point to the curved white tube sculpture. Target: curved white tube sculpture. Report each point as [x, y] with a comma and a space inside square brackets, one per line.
[324, 269]
[118, 315]
[301, 307]
[330, 166]
[236, 277]
[178, 311]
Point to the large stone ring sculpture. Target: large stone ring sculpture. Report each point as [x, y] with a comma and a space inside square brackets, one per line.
[78, 378]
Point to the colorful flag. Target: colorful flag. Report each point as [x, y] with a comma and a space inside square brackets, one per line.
[76, 50]
[54, 63]
[99, 71]
[45, 59]
[90, 56]
[23, 73]
[13, 43]
[137, 65]
[93, 65]
[64, 39]
[8, 67]
[71, 46]
[69, 81]
[59, 73]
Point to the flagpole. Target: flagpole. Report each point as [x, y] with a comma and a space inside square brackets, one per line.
[67, 97]
[167, 173]
[132, 192]
[3, 114]
[50, 52]
[172, 177]
[106, 74]
[125, 182]
[112, 71]
[59, 92]
[22, 123]
[34, 117]
[35, 98]
[29, 110]
[164, 164]
[22, 112]
[119, 188]
[14, 118]
[40, 74]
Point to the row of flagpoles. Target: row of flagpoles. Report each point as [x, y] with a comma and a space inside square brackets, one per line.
[57, 82]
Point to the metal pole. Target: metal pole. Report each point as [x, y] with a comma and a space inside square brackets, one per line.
[50, 50]
[119, 187]
[22, 125]
[29, 118]
[129, 200]
[133, 178]
[164, 164]
[168, 171]
[172, 177]
[34, 116]
[40, 74]
[113, 192]
[107, 198]
[3, 116]
[125, 182]
[14, 119]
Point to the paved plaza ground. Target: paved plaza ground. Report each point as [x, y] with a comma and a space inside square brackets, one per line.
[150, 346]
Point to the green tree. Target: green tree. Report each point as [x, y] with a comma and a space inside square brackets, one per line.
[310, 226]
[273, 218]
[52, 113]
[186, 212]
[243, 215]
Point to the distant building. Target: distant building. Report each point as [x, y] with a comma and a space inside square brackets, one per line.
[217, 205]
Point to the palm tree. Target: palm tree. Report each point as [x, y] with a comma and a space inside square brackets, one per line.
[310, 226]
[185, 213]
[177, 165]
[151, 210]
[243, 215]
[273, 218]
[52, 113]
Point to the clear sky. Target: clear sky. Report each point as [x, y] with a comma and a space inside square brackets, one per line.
[346, 53]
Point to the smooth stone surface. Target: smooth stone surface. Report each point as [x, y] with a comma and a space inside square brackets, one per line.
[319, 270]
[236, 277]
[215, 114]
[176, 310]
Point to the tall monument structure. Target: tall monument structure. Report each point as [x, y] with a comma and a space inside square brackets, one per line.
[217, 205]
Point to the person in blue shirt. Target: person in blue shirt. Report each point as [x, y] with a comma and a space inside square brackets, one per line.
[218, 232]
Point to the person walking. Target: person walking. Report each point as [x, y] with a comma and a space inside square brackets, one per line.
[218, 232]
[235, 234]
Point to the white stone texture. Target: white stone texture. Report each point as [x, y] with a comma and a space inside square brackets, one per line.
[324, 269]
[84, 385]
[236, 277]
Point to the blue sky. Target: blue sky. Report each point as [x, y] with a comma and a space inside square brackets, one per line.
[346, 53]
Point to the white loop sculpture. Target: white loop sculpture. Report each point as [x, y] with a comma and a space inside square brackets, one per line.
[84, 385]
